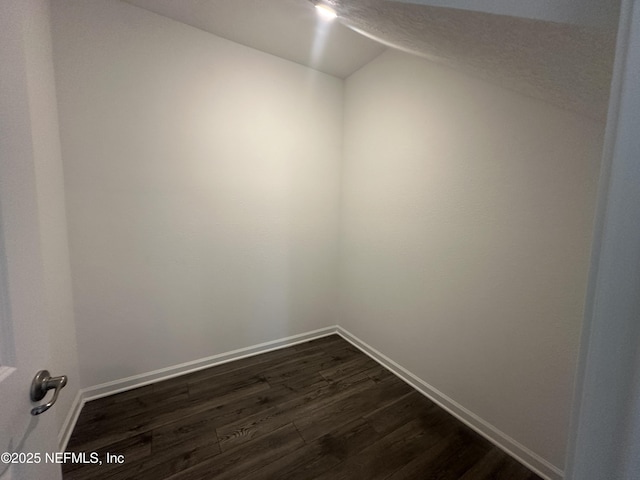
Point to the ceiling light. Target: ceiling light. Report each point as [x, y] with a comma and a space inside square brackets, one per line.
[325, 11]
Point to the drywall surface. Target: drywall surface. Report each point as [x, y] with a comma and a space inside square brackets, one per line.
[599, 13]
[289, 29]
[202, 183]
[566, 65]
[467, 218]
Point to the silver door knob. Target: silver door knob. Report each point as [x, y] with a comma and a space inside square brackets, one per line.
[42, 383]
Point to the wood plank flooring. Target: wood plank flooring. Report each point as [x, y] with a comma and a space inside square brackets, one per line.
[317, 410]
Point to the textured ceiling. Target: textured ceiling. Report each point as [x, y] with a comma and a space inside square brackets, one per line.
[289, 29]
[567, 65]
[593, 13]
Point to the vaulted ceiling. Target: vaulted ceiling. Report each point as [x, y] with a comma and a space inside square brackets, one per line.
[286, 28]
[567, 64]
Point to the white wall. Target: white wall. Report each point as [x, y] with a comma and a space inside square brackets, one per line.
[202, 185]
[467, 217]
[203, 189]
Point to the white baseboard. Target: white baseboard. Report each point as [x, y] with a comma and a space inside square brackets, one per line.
[516, 450]
[504, 442]
[129, 383]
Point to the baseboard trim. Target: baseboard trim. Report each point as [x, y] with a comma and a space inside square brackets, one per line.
[129, 383]
[516, 450]
[117, 386]
[510, 446]
[70, 422]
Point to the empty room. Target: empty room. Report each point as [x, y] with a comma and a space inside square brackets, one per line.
[299, 239]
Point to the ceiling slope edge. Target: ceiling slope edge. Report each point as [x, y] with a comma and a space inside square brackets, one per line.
[566, 65]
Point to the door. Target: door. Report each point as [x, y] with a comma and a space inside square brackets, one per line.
[24, 333]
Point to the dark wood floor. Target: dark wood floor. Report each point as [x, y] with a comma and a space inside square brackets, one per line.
[318, 410]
